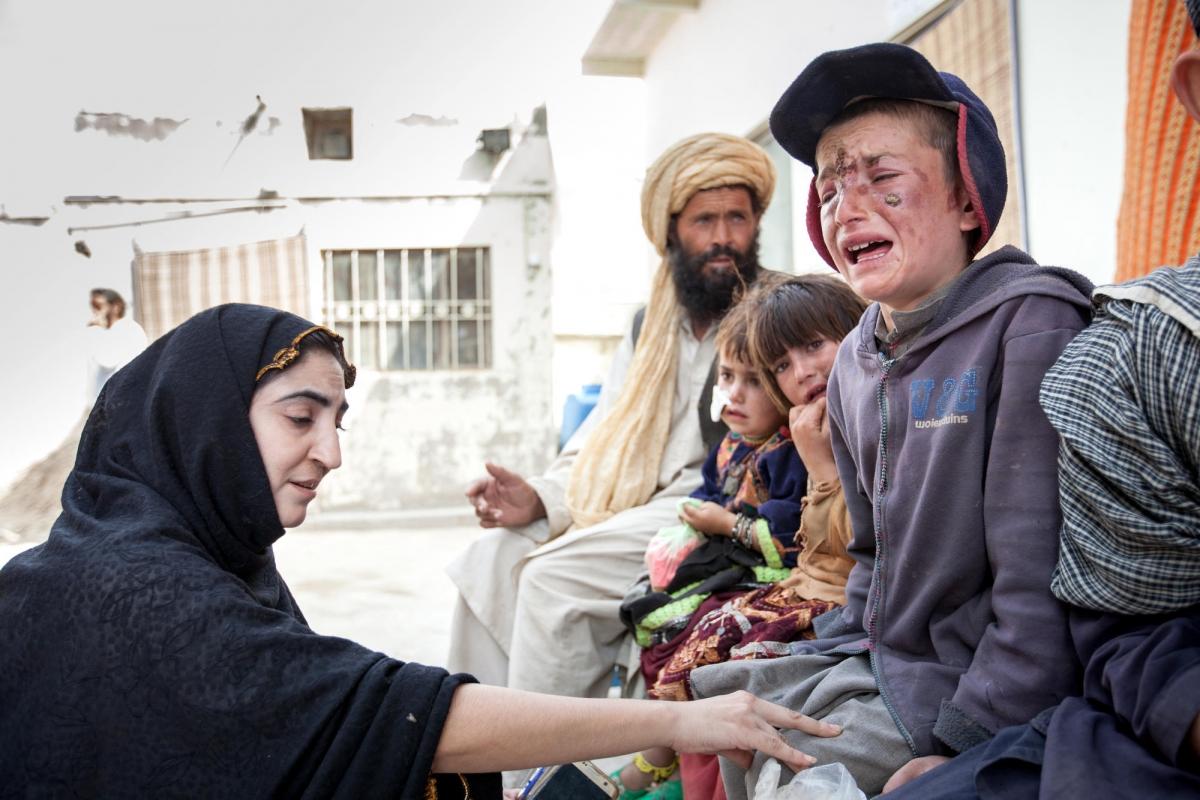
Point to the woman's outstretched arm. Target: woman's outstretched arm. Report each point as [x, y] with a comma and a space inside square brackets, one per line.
[490, 728]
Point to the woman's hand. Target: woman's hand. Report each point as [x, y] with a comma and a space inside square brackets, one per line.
[736, 725]
[810, 433]
[708, 517]
[490, 728]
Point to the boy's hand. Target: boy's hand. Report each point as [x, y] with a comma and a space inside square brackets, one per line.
[810, 434]
[913, 770]
[504, 499]
[710, 518]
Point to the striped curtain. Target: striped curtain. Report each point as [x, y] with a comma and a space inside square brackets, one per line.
[169, 287]
[1159, 221]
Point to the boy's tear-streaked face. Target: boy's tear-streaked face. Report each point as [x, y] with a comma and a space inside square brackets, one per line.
[890, 218]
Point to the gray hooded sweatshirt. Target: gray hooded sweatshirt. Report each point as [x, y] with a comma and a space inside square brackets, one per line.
[949, 470]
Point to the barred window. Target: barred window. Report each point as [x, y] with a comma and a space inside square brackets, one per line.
[411, 309]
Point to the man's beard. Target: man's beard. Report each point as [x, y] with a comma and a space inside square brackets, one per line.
[707, 295]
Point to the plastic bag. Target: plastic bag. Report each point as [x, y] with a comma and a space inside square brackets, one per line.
[826, 782]
[667, 550]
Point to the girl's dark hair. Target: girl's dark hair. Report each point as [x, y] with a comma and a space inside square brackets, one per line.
[793, 310]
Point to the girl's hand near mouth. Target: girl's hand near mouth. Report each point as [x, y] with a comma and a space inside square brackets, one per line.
[810, 433]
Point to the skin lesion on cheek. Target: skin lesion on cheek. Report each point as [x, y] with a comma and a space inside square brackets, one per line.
[892, 199]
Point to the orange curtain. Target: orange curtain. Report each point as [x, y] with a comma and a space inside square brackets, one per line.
[1159, 222]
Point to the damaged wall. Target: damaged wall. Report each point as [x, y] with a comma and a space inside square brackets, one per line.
[414, 439]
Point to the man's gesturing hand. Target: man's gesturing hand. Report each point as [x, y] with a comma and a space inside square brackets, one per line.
[504, 499]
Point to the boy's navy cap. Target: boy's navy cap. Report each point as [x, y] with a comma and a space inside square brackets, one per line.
[838, 78]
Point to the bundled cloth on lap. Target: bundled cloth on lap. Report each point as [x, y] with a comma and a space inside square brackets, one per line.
[763, 480]
[748, 625]
[763, 622]
[151, 648]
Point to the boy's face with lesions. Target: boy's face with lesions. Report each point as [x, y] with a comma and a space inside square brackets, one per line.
[893, 222]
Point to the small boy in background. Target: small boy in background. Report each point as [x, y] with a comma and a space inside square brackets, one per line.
[950, 631]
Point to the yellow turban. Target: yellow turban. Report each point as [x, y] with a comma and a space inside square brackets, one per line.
[618, 466]
[704, 161]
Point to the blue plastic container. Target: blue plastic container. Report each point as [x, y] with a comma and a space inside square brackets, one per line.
[576, 410]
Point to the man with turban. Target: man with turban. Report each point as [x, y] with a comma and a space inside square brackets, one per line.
[539, 594]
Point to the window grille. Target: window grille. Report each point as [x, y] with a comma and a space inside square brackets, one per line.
[415, 309]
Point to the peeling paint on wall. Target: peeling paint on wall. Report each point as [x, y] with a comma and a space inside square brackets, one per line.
[34, 221]
[124, 125]
[247, 127]
[425, 119]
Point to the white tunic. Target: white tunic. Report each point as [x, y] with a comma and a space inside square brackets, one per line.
[538, 605]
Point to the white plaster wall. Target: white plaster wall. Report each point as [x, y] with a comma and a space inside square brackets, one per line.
[1073, 89]
[479, 63]
[415, 439]
[724, 67]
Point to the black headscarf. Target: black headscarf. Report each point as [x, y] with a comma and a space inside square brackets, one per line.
[151, 649]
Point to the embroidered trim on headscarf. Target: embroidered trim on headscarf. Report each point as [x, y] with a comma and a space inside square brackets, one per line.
[286, 355]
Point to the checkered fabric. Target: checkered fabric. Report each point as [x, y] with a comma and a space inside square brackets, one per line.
[169, 287]
[1125, 399]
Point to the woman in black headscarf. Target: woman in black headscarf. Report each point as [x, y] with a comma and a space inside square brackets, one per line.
[151, 648]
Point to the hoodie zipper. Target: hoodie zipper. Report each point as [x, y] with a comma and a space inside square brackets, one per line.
[881, 488]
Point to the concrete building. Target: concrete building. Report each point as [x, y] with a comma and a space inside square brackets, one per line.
[420, 219]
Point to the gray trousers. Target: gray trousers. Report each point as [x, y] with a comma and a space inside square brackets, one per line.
[836, 688]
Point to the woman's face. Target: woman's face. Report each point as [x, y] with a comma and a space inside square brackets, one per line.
[296, 416]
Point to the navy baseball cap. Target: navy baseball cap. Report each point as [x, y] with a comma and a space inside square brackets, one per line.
[835, 80]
